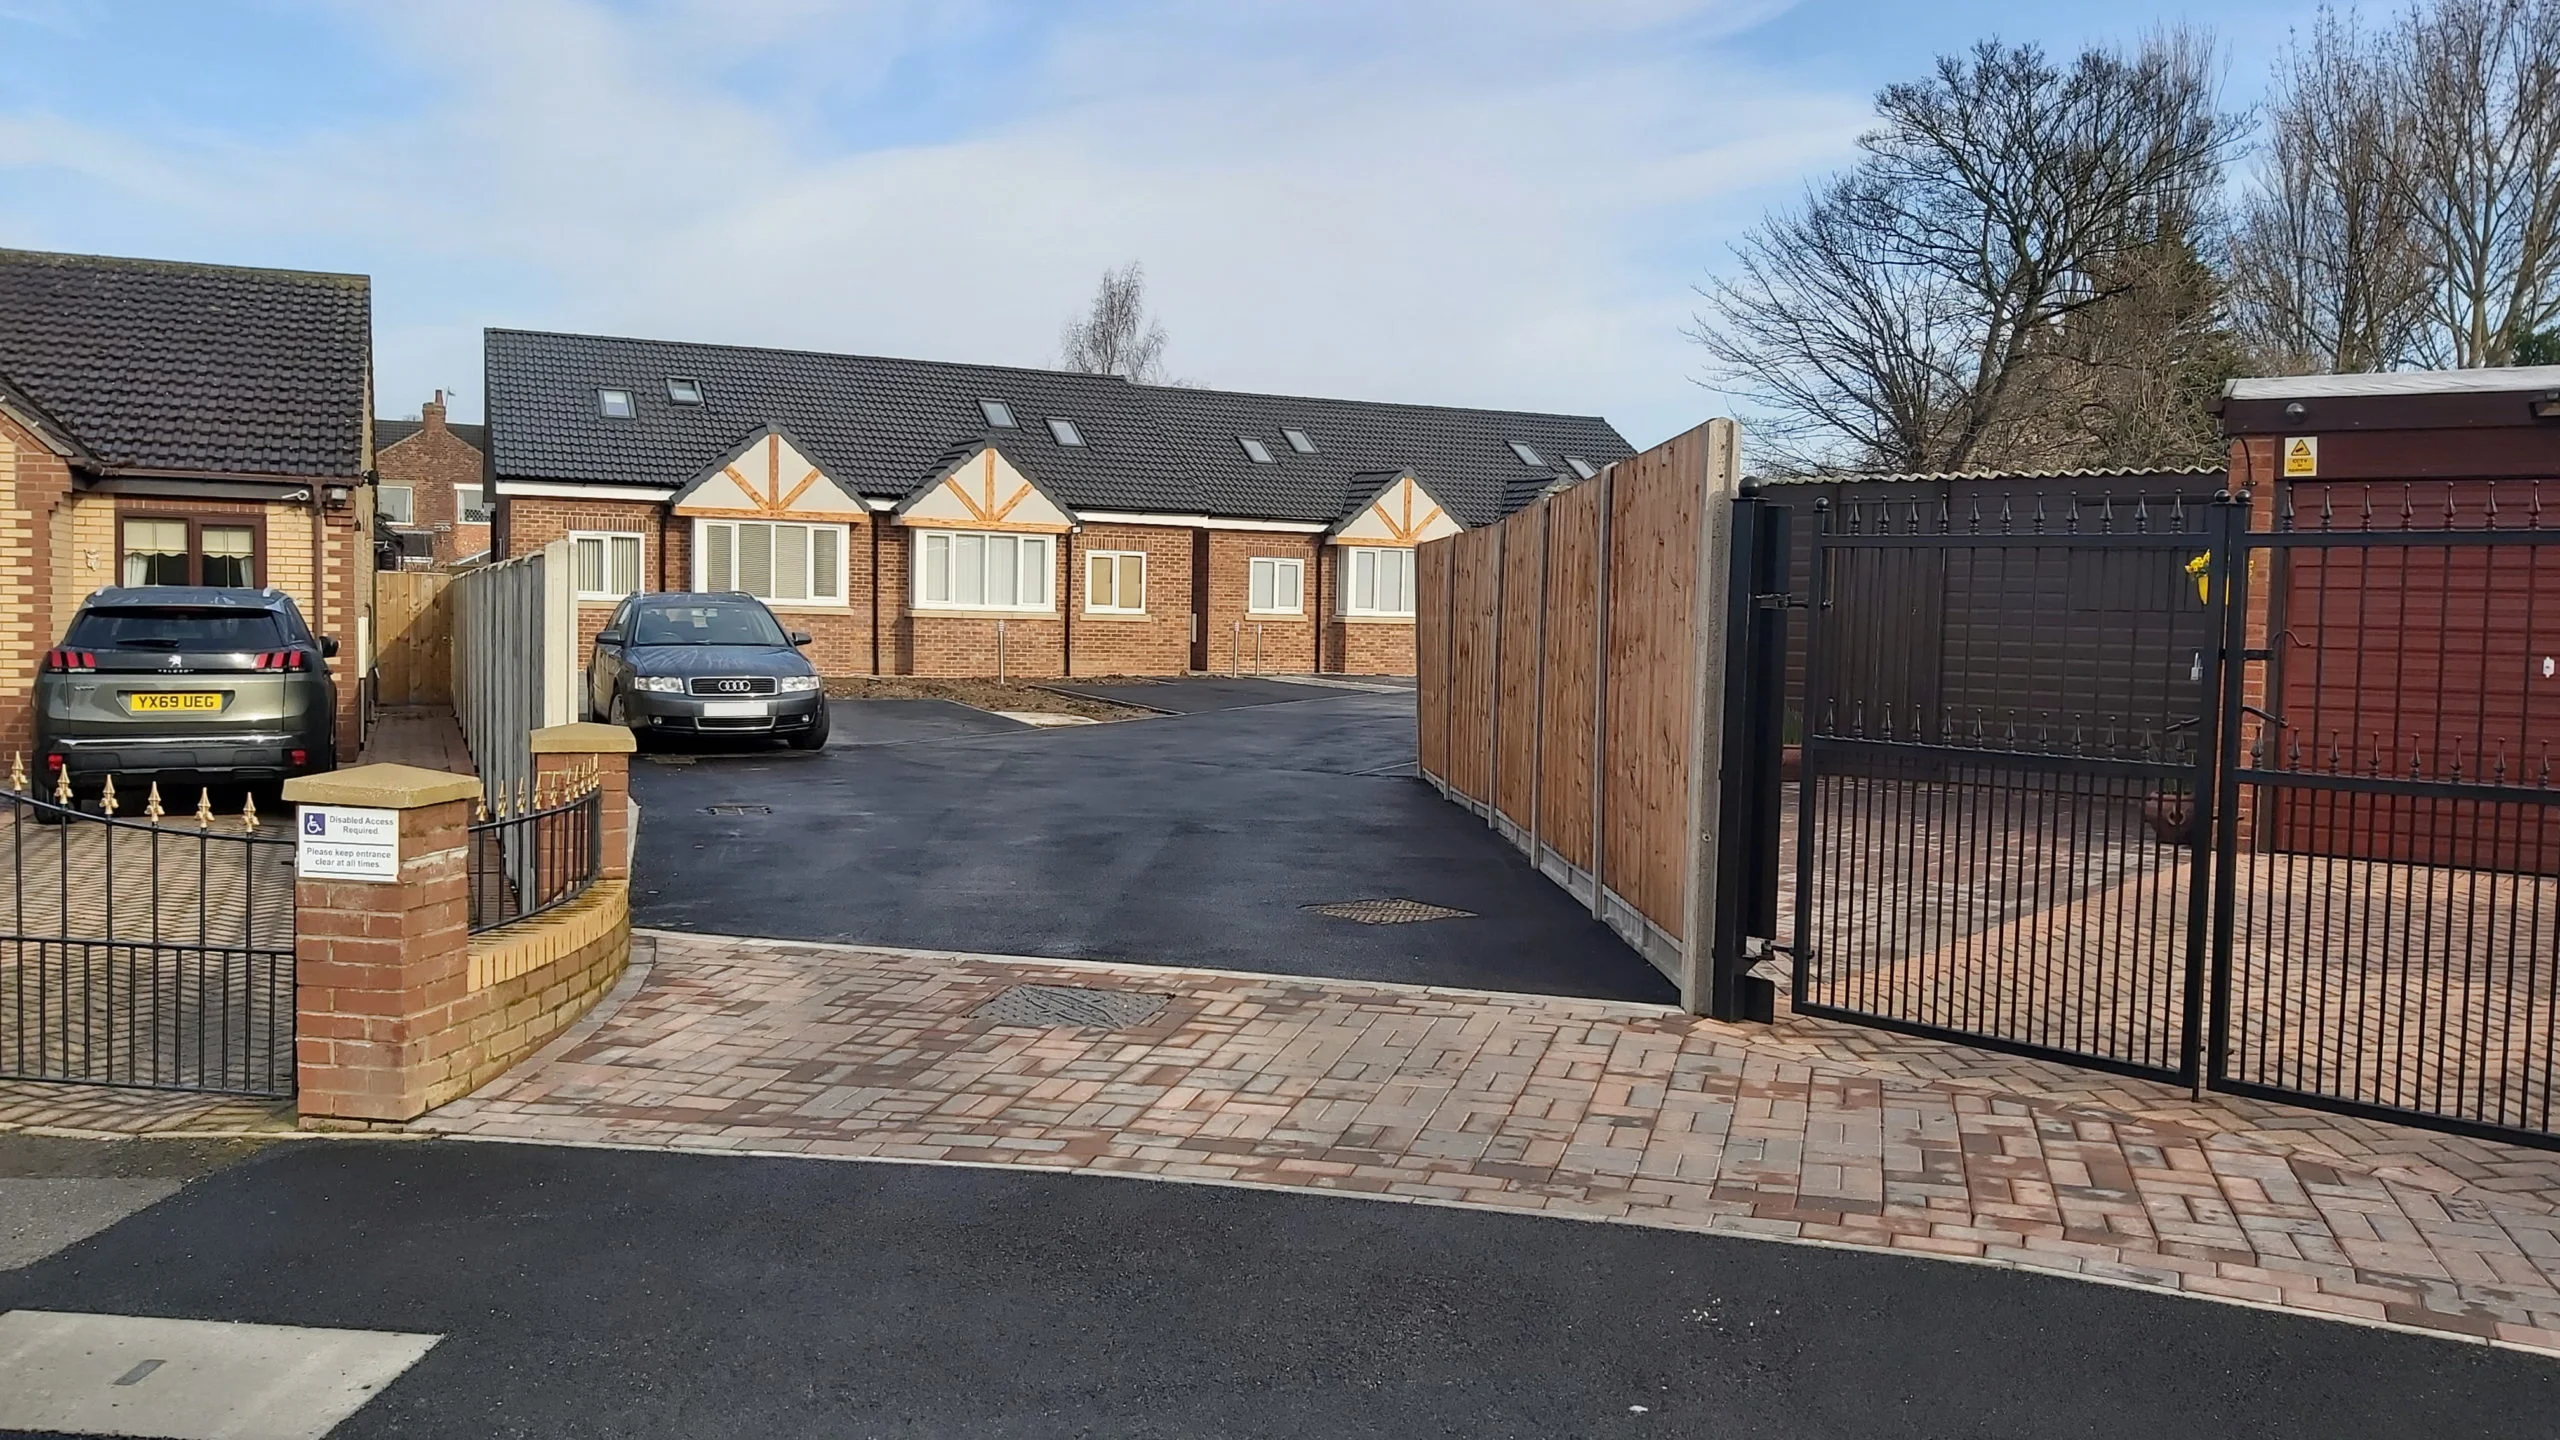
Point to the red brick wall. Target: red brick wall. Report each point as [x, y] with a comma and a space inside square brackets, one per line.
[1156, 643]
[33, 482]
[535, 521]
[1288, 641]
[432, 462]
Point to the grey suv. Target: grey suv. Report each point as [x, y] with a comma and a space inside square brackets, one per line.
[187, 684]
[689, 664]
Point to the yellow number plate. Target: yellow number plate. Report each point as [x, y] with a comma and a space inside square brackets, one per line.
[151, 700]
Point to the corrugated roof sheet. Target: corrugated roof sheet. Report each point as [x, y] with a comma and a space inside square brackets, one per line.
[1940, 477]
[879, 424]
[164, 365]
[2517, 378]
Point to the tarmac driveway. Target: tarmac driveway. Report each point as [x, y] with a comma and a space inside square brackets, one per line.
[1194, 839]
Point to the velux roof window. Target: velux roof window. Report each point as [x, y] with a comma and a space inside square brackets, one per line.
[1527, 456]
[1255, 450]
[1298, 441]
[998, 413]
[1581, 467]
[615, 404]
[683, 390]
[1064, 431]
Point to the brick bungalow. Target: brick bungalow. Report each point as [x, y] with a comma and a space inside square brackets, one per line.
[172, 423]
[927, 518]
[432, 494]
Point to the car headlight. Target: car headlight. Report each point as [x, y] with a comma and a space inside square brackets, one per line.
[659, 684]
[799, 684]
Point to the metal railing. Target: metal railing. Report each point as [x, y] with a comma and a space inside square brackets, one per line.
[535, 848]
[155, 951]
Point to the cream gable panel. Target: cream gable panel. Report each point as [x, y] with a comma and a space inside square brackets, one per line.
[1404, 515]
[771, 478]
[985, 493]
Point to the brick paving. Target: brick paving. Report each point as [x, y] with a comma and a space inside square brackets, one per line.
[1564, 1107]
[100, 1110]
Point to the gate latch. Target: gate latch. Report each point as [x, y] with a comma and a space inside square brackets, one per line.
[1780, 600]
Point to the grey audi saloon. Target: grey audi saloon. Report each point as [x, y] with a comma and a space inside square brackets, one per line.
[706, 665]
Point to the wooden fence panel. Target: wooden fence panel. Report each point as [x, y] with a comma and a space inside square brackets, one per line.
[1572, 680]
[1431, 659]
[1653, 562]
[1474, 575]
[413, 619]
[1522, 546]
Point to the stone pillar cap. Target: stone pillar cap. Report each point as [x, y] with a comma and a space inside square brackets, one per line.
[384, 787]
[586, 738]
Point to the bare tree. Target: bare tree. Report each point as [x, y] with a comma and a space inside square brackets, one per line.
[2328, 269]
[2478, 89]
[1116, 336]
[1901, 317]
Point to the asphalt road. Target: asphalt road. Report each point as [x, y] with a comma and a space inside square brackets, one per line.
[1192, 839]
[603, 1293]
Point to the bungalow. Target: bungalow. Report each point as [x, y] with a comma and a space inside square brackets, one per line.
[164, 423]
[927, 518]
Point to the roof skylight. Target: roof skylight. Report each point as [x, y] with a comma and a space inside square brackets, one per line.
[998, 413]
[1064, 431]
[1298, 440]
[1581, 466]
[1527, 455]
[683, 390]
[1255, 450]
[615, 404]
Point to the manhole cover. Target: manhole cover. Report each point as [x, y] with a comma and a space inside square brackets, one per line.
[1388, 912]
[737, 809]
[1046, 1005]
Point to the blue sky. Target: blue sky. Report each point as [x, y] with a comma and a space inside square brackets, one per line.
[1492, 202]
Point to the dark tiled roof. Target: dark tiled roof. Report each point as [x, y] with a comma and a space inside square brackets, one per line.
[880, 426]
[160, 365]
[387, 433]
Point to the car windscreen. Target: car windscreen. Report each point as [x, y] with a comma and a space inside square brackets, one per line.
[176, 628]
[723, 623]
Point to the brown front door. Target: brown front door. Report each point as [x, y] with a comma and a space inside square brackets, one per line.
[1199, 599]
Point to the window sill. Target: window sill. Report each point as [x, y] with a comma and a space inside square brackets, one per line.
[1375, 619]
[946, 612]
[1275, 614]
[823, 607]
[1115, 615]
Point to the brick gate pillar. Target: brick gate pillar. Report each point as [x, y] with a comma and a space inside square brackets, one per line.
[380, 965]
[605, 752]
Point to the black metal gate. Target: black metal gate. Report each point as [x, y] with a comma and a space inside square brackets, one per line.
[2125, 783]
[154, 951]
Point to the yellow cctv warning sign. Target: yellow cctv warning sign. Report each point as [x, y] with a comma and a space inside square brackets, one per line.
[2301, 457]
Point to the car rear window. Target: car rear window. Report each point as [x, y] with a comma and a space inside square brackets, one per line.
[720, 624]
[176, 628]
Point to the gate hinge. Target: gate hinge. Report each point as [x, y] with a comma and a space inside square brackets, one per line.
[1780, 600]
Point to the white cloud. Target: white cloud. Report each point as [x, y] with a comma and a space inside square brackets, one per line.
[1495, 203]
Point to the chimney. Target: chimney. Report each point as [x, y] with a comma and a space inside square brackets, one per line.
[431, 415]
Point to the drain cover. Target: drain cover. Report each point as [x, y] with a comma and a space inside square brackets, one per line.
[737, 809]
[1047, 1005]
[1388, 912]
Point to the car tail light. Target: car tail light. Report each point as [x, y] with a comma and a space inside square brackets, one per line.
[283, 660]
[70, 661]
[53, 762]
[298, 757]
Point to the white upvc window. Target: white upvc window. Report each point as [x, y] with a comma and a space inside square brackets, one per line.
[607, 564]
[1115, 582]
[779, 562]
[1274, 586]
[967, 570]
[1377, 582]
[470, 505]
[396, 504]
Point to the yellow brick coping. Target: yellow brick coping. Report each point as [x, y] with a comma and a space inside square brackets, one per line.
[525, 946]
[585, 738]
[386, 787]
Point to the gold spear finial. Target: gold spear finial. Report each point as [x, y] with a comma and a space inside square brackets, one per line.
[151, 804]
[18, 771]
[522, 806]
[62, 787]
[483, 816]
[204, 807]
[107, 797]
[249, 811]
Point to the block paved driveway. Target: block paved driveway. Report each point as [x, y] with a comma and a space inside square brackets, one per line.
[1193, 839]
[600, 1293]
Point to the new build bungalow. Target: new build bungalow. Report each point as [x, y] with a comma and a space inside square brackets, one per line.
[927, 518]
[178, 424]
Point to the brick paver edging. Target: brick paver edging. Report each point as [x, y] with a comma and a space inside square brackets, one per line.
[1525, 1103]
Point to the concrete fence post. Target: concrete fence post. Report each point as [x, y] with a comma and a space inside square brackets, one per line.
[379, 963]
